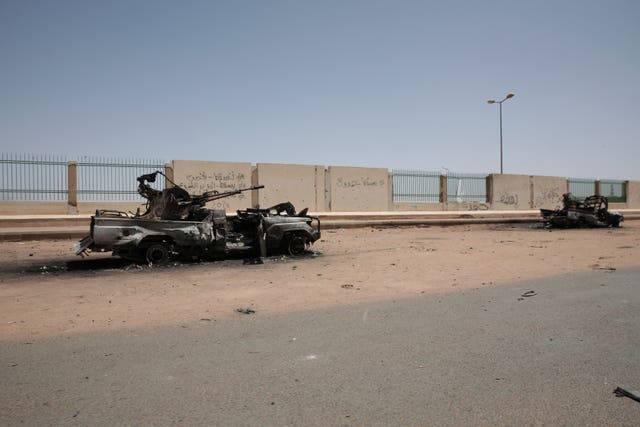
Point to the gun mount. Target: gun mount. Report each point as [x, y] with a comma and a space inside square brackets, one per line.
[175, 203]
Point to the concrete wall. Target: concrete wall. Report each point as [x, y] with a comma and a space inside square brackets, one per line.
[507, 192]
[336, 189]
[418, 206]
[547, 191]
[467, 206]
[33, 208]
[526, 192]
[198, 177]
[358, 189]
[302, 185]
[633, 194]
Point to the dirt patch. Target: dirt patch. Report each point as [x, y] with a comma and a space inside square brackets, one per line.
[45, 289]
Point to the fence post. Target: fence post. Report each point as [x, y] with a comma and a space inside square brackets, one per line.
[490, 190]
[598, 188]
[444, 197]
[168, 171]
[390, 192]
[72, 187]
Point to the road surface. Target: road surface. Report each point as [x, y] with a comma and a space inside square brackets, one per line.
[475, 356]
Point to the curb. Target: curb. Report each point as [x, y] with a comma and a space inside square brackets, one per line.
[75, 227]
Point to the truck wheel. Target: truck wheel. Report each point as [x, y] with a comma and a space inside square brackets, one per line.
[296, 245]
[157, 253]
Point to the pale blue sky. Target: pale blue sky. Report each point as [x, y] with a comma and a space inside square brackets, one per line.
[396, 84]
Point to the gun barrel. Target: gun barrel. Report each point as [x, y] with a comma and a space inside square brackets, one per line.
[215, 196]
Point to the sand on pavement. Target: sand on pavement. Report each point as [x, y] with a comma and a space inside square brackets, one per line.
[41, 296]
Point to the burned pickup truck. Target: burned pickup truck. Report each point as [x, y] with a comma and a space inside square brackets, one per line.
[591, 212]
[177, 224]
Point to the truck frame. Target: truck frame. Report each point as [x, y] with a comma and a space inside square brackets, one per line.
[593, 211]
[178, 225]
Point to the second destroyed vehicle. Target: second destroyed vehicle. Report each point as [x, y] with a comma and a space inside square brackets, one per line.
[592, 212]
[178, 225]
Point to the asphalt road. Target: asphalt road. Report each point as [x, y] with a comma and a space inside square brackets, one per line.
[479, 357]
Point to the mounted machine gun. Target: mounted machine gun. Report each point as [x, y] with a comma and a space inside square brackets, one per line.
[177, 224]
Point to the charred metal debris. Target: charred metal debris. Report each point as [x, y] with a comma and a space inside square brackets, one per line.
[590, 212]
[177, 224]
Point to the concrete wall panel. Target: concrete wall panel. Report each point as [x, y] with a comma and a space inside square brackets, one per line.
[358, 189]
[34, 208]
[467, 206]
[417, 206]
[198, 177]
[510, 191]
[548, 191]
[633, 194]
[291, 183]
[321, 189]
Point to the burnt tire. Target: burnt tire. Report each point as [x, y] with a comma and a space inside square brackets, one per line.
[296, 245]
[157, 253]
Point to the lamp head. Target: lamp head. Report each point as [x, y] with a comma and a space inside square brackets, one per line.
[491, 101]
[511, 95]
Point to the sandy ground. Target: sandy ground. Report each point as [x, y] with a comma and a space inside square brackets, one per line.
[45, 290]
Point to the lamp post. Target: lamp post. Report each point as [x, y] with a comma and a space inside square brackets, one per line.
[493, 101]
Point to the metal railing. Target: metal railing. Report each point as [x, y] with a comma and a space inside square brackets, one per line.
[466, 187]
[581, 188]
[613, 190]
[114, 179]
[33, 177]
[45, 177]
[415, 186]
[424, 186]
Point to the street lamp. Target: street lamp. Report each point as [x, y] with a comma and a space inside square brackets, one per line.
[493, 101]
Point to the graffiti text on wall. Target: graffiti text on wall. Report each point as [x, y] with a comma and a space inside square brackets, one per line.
[202, 182]
[359, 182]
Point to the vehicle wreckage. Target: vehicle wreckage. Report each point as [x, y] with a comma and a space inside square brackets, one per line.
[590, 212]
[177, 224]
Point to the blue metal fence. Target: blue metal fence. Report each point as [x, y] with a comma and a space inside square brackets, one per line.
[581, 188]
[44, 177]
[466, 187]
[416, 186]
[613, 190]
[114, 179]
[33, 177]
[424, 186]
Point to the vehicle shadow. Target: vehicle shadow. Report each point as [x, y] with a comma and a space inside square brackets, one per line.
[105, 264]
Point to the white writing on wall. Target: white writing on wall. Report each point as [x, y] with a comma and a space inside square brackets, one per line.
[359, 182]
[202, 182]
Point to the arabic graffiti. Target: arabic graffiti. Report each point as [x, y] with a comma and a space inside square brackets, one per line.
[509, 199]
[474, 206]
[359, 182]
[202, 182]
[548, 196]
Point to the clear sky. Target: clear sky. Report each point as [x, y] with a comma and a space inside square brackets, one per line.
[395, 84]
